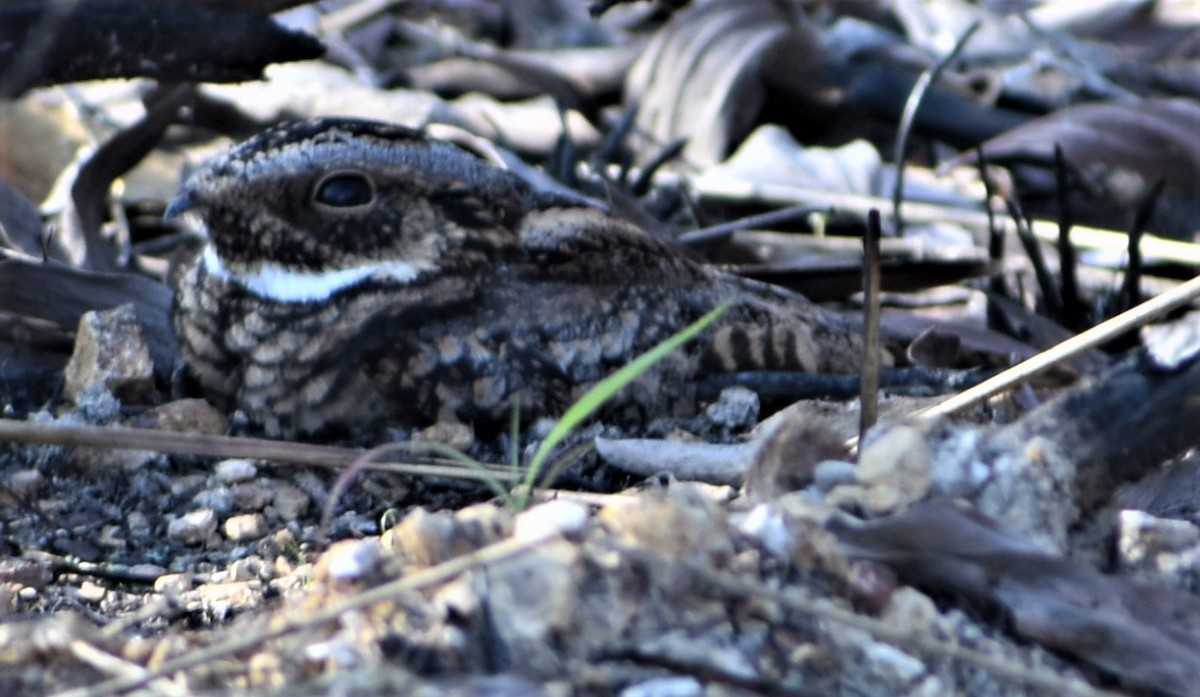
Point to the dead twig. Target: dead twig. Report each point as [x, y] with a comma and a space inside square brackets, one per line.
[327, 456]
[911, 107]
[717, 233]
[1073, 313]
[492, 554]
[868, 397]
[1092, 338]
[1130, 293]
[724, 187]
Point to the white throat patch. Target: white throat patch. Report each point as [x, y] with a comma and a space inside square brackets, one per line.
[287, 285]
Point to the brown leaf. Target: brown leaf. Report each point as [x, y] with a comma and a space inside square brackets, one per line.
[1153, 138]
[699, 77]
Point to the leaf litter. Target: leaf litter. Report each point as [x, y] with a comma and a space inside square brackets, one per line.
[1043, 542]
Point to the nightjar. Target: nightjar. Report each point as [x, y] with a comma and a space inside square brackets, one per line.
[359, 275]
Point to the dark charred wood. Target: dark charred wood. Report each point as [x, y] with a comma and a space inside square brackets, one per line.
[45, 43]
[1121, 425]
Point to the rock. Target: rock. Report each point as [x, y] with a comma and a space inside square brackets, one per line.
[241, 528]
[289, 502]
[552, 518]
[185, 416]
[736, 408]
[1159, 550]
[252, 496]
[674, 686]
[173, 583]
[895, 470]
[424, 539]
[194, 527]
[349, 561]
[235, 470]
[91, 592]
[530, 600]
[25, 482]
[455, 435]
[111, 356]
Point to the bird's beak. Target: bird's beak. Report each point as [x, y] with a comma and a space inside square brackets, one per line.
[184, 202]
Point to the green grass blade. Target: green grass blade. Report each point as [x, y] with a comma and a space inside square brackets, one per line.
[604, 390]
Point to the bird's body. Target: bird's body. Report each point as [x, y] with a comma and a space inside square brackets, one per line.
[360, 275]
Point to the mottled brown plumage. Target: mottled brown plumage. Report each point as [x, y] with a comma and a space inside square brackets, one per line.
[361, 275]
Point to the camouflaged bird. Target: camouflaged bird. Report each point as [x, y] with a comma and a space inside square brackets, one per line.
[361, 275]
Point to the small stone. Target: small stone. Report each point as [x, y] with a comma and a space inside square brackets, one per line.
[1142, 535]
[674, 686]
[680, 523]
[112, 537]
[26, 482]
[221, 599]
[1158, 550]
[789, 447]
[138, 524]
[290, 502]
[91, 592]
[250, 569]
[194, 527]
[27, 593]
[266, 672]
[219, 498]
[110, 356]
[894, 468]
[241, 528]
[766, 525]
[912, 610]
[424, 538]
[173, 583]
[533, 599]
[235, 470]
[185, 416]
[893, 662]
[558, 517]
[735, 408]
[252, 496]
[349, 561]
[456, 435]
[188, 484]
[285, 539]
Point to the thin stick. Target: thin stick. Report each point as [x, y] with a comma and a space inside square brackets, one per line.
[1097, 335]
[119, 438]
[723, 187]
[492, 554]
[911, 106]
[1068, 266]
[724, 230]
[1131, 293]
[868, 396]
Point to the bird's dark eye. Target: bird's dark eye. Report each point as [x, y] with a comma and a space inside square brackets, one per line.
[344, 190]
